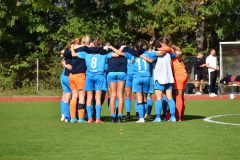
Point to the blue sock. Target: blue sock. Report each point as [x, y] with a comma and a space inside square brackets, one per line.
[128, 104]
[61, 107]
[149, 104]
[141, 110]
[89, 111]
[172, 107]
[164, 104]
[98, 111]
[158, 108]
[66, 110]
[120, 115]
[136, 104]
[112, 115]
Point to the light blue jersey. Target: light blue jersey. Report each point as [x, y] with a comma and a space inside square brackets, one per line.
[129, 67]
[141, 68]
[95, 63]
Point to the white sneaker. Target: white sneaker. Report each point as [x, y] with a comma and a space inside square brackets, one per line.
[212, 95]
[63, 118]
[198, 93]
[66, 120]
[141, 120]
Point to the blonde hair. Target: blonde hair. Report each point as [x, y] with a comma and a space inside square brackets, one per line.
[85, 40]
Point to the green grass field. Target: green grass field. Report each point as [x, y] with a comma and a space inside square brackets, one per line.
[32, 130]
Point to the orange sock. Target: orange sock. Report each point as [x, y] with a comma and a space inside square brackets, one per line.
[73, 104]
[179, 106]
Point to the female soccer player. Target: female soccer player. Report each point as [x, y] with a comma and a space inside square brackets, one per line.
[65, 85]
[180, 77]
[77, 82]
[141, 75]
[163, 79]
[117, 69]
[95, 78]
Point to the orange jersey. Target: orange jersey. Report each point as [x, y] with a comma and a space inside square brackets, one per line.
[178, 68]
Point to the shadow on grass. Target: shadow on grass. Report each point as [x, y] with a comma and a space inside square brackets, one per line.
[133, 118]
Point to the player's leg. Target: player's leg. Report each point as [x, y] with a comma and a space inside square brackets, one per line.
[171, 102]
[73, 102]
[89, 106]
[113, 87]
[158, 105]
[128, 95]
[201, 86]
[81, 97]
[179, 103]
[66, 99]
[149, 103]
[62, 108]
[164, 106]
[120, 94]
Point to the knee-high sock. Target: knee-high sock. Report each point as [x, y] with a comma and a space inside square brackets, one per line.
[184, 106]
[89, 112]
[172, 107]
[136, 104]
[128, 104]
[61, 107]
[149, 106]
[98, 111]
[164, 104]
[73, 104]
[81, 111]
[158, 108]
[140, 110]
[179, 106]
[66, 110]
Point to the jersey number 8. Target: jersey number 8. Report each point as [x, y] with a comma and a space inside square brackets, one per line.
[94, 62]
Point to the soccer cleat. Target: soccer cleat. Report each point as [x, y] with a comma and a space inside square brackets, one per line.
[128, 115]
[81, 120]
[120, 120]
[163, 117]
[99, 121]
[141, 120]
[62, 118]
[90, 120]
[172, 119]
[113, 119]
[157, 120]
[73, 120]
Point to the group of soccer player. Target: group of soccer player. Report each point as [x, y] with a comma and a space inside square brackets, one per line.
[125, 73]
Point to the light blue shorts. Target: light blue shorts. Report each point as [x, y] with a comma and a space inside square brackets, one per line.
[116, 76]
[65, 84]
[95, 82]
[129, 81]
[163, 87]
[141, 84]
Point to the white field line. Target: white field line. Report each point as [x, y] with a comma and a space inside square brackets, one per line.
[209, 119]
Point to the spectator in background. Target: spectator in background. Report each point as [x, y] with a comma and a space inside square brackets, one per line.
[199, 64]
[212, 65]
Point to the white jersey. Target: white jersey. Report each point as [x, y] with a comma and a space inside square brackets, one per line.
[163, 70]
[212, 62]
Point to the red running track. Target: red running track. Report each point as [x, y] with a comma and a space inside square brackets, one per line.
[53, 99]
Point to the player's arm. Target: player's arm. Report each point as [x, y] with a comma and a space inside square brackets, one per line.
[120, 53]
[68, 66]
[147, 58]
[78, 54]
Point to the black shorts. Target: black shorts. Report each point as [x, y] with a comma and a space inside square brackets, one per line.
[198, 77]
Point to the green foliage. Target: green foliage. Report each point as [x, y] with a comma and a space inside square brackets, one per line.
[31, 29]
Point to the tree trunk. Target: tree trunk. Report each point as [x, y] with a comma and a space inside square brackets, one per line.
[200, 35]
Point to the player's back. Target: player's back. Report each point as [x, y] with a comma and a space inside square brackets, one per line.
[95, 63]
[141, 68]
